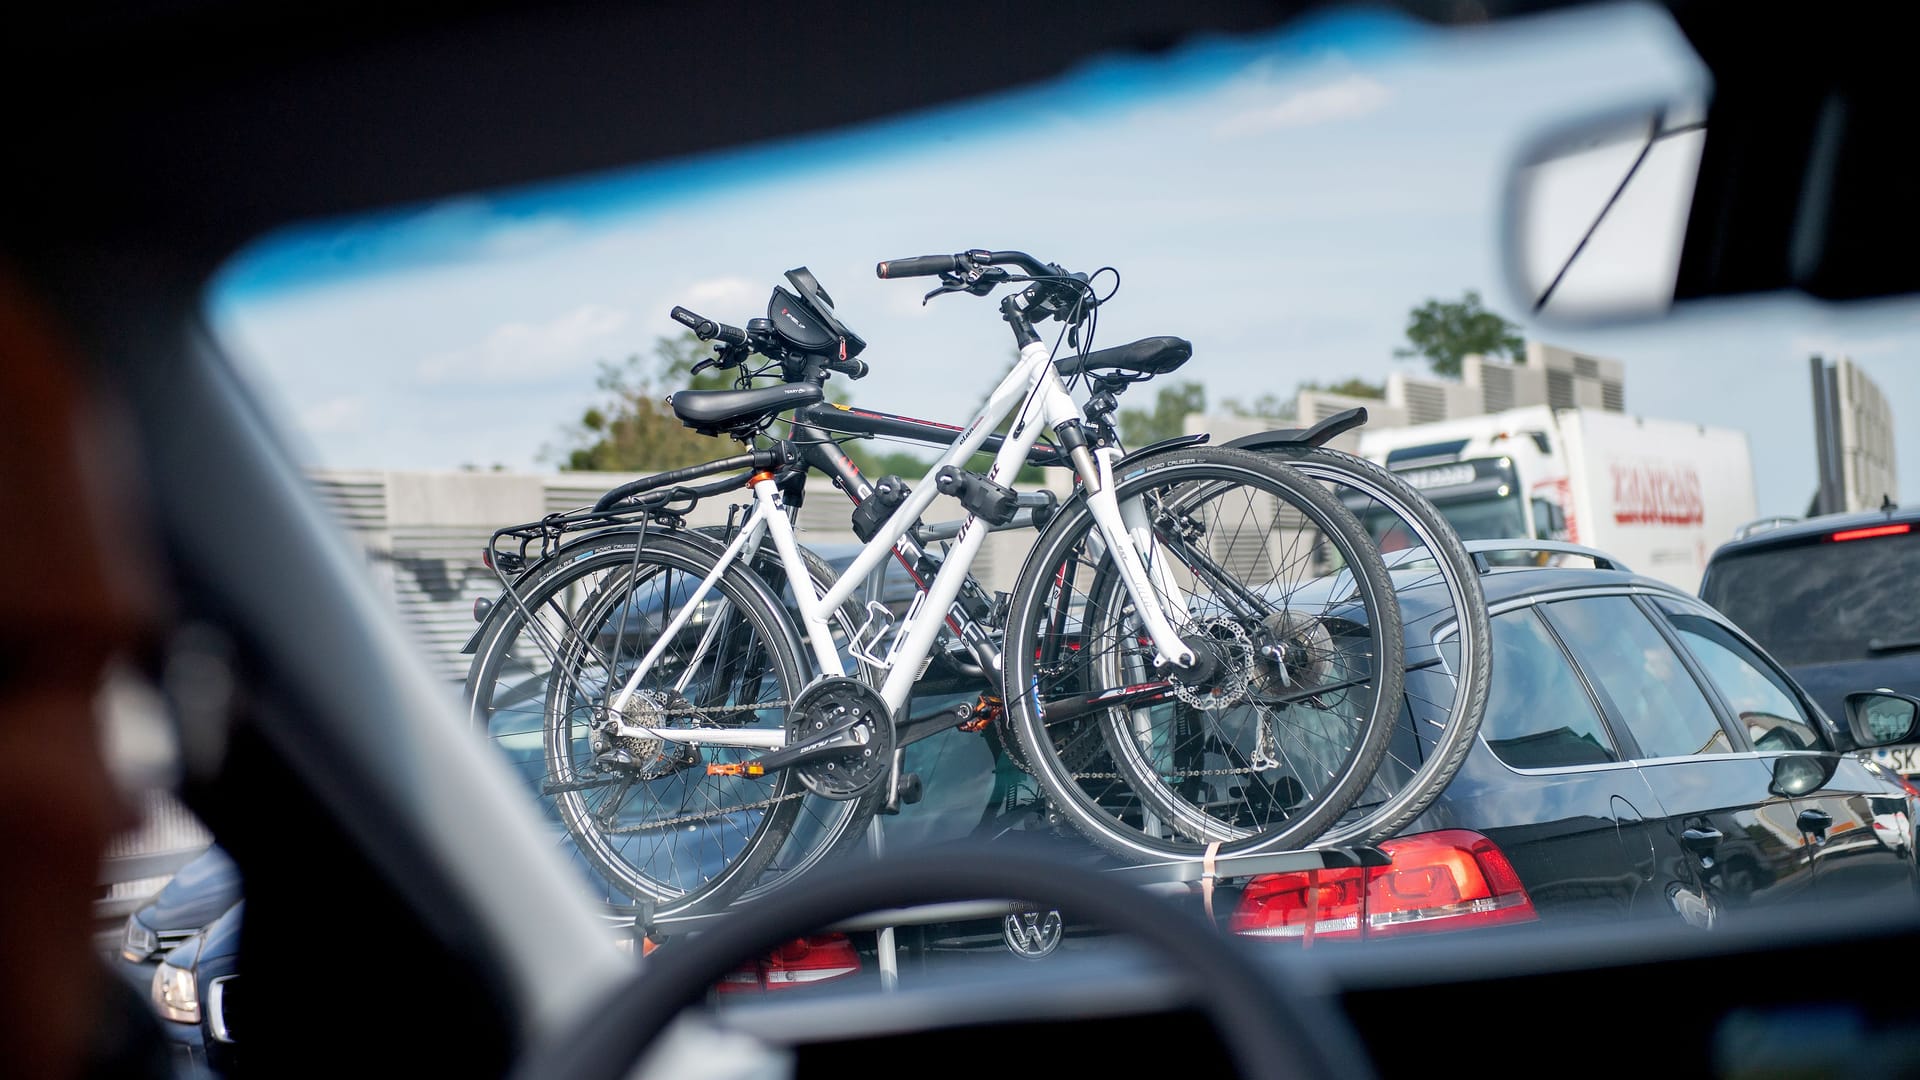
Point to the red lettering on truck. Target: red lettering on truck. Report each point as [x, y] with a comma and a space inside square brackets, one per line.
[1657, 494]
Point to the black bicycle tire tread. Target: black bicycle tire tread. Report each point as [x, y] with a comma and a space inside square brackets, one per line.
[555, 575]
[1456, 739]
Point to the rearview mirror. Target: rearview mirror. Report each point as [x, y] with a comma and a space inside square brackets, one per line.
[1597, 212]
[1882, 717]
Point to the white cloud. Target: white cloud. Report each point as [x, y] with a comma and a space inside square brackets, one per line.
[726, 291]
[522, 352]
[335, 415]
[1350, 96]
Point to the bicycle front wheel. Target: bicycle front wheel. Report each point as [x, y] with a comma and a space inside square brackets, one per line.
[643, 814]
[1281, 587]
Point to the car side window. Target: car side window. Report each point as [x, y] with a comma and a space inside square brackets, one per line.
[1538, 714]
[1760, 697]
[1632, 666]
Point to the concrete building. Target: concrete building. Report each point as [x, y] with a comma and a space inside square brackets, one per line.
[423, 533]
[1551, 375]
[1853, 432]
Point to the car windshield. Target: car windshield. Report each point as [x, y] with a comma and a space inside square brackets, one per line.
[1317, 214]
[1823, 602]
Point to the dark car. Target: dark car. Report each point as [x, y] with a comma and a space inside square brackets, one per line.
[195, 991]
[1830, 598]
[199, 892]
[1641, 757]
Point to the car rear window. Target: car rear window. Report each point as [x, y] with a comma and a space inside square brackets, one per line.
[1822, 601]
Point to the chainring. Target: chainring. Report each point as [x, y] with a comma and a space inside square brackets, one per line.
[827, 703]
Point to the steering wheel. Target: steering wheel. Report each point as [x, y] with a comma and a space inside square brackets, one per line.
[1271, 1026]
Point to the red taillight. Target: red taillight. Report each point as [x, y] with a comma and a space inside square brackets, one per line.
[1447, 880]
[1876, 530]
[801, 962]
[1304, 904]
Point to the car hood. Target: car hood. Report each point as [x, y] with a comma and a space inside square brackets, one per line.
[199, 892]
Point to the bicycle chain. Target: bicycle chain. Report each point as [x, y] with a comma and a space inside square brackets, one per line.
[666, 823]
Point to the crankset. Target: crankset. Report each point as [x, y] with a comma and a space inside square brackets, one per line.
[840, 739]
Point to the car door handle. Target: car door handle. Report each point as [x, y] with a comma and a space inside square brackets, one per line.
[1700, 840]
[1816, 822]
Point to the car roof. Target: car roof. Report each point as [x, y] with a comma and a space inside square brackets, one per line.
[1799, 532]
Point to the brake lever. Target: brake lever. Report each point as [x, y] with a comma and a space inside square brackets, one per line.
[949, 283]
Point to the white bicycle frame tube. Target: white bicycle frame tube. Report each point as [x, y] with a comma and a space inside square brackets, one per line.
[1033, 386]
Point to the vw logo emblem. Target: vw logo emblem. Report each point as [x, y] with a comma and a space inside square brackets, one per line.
[1032, 934]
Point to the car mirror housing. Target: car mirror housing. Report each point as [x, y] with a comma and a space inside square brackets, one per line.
[1797, 774]
[1882, 717]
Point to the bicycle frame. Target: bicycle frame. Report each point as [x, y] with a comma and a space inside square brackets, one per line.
[1034, 388]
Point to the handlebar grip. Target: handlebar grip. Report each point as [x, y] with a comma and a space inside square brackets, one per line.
[706, 329]
[917, 266]
[852, 369]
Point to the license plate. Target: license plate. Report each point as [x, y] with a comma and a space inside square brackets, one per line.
[1904, 760]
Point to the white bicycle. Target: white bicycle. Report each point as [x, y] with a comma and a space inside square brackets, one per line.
[1203, 650]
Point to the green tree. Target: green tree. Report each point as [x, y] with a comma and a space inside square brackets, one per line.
[631, 429]
[1353, 387]
[1273, 407]
[1446, 332]
[1167, 418]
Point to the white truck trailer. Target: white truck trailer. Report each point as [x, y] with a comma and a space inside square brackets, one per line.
[1658, 494]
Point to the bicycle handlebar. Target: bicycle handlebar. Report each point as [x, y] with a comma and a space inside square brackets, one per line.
[707, 329]
[930, 265]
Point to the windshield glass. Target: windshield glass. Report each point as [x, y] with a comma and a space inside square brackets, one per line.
[1312, 213]
[1823, 602]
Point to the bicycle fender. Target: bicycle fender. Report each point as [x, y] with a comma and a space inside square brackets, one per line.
[1318, 435]
[1164, 444]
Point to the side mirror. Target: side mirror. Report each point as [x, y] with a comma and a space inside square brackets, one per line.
[1796, 774]
[1597, 214]
[1882, 717]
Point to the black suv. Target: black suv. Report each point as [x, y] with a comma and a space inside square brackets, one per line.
[1832, 598]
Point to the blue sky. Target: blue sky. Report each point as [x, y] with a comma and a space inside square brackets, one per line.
[1280, 201]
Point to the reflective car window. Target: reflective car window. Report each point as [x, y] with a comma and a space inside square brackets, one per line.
[1761, 699]
[1820, 602]
[1628, 661]
[1538, 714]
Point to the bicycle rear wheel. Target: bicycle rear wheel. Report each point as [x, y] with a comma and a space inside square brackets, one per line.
[1289, 596]
[652, 826]
[1449, 654]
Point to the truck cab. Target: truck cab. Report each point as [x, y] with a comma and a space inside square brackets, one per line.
[1493, 477]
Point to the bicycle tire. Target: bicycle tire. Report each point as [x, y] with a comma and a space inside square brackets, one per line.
[611, 554]
[1407, 782]
[1350, 627]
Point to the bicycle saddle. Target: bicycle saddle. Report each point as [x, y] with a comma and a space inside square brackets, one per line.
[1148, 356]
[711, 412]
